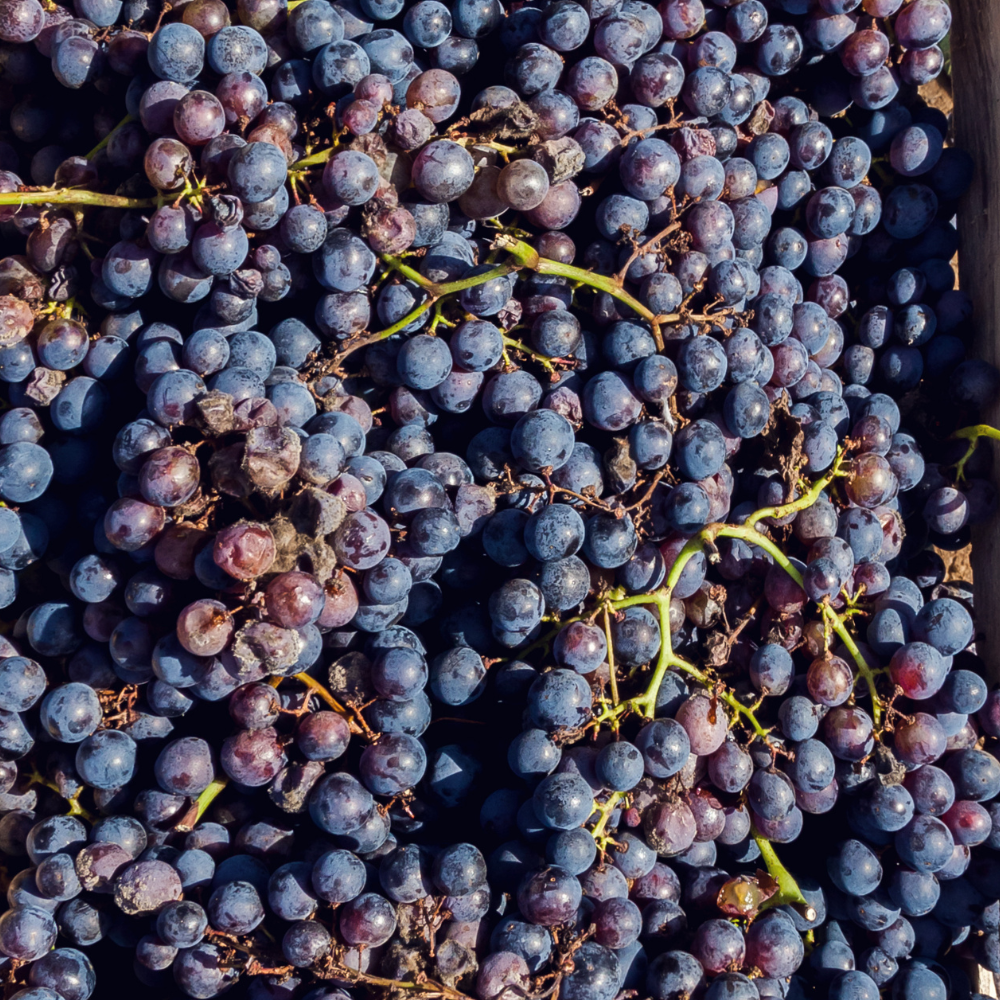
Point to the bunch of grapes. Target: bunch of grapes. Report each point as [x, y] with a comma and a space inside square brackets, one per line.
[550, 601]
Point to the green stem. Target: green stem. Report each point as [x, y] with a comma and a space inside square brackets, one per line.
[645, 703]
[523, 256]
[75, 809]
[613, 680]
[401, 324]
[972, 435]
[74, 196]
[506, 152]
[398, 264]
[315, 159]
[808, 497]
[542, 359]
[107, 138]
[604, 811]
[207, 797]
[978, 431]
[837, 624]
[35, 777]
[438, 319]
[789, 893]
[528, 257]
[499, 271]
[836, 621]
[434, 292]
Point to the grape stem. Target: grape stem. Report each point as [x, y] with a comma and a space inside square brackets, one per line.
[542, 359]
[789, 893]
[354, 718]
[523, 257]
[603, 811]
[529, 258]
[189, 820]
[704, 541]
[645, 704]
[109, 136]
[208, 796]
[315, 159]
[611, 659]
[506, 152]
[972, 435]
[318, 689]
[834, 620]
[73, 196]
[434, 293]
[641, 249]
[75, 809]
[427, 987]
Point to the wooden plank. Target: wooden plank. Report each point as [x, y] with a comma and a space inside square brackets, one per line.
[975, 48]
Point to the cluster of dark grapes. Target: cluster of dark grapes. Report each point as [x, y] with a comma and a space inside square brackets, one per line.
[569, 540]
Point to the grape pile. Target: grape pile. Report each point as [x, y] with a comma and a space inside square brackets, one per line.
[549, 603]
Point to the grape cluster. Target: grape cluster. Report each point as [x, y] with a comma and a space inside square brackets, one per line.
[550, 601]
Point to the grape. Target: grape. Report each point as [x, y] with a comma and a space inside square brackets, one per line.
[67, 969]
[252, 757]
[146, 887]
[701, 365]
[424, 362]
[717, 944]
[581, 647]
[27, 933]
[106, 760]
[244, 551]
[169, 477]
[255, 706]
[542, 439]
[813, 767]
[925, 843]
[204, 627]
[562, 801]
[458, 676]
[427, 24]
[22, 683]
[918, 669]
[747, 410]
[923, 25]
[185, 767]
[367, 919]
[522, 185]
[70, 713]
[945, 625]
[294, 599]
[337, 876]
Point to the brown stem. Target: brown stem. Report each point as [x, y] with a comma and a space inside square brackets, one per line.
[429, 987]
[640, 250]
[654, 482]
